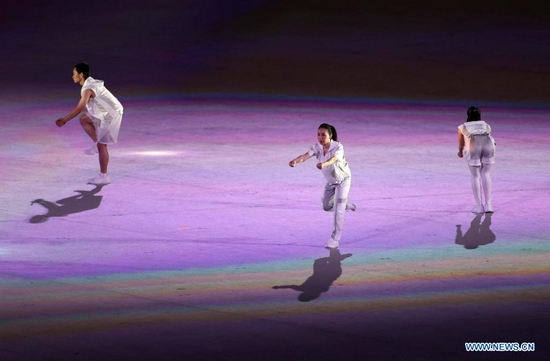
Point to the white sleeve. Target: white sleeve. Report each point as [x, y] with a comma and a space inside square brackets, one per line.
[92, 87]
[463, 130]
[312, 151]
[339, 152]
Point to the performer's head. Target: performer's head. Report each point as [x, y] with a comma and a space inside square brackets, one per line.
[329, 130]
[473, 114]
[81, 72]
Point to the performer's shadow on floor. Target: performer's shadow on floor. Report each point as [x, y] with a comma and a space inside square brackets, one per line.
[325, 271]
[84, 201]
[479, 234]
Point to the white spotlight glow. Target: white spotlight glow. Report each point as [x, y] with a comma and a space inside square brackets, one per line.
[158, 153]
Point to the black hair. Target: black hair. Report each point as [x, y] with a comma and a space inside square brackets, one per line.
[473, 114]
[331, 130]
[83, 68]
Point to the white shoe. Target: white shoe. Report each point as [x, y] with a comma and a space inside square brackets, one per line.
[332, 244]
[101, 179]
[489, 208]
[478, 209]
[351, 207]
[91, 151]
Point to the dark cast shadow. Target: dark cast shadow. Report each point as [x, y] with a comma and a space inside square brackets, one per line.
[84, 201]
[325, 271]
[479, 234]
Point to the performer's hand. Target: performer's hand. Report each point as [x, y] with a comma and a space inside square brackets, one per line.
[460, 154]
[60, 122]
[319, 165]
[292, 163]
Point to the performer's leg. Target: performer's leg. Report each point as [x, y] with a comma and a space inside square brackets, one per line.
[487, 187]
[327, 200]
[103, 157]
[88, 126]
[103, 177]
[340, 201]
[476, 188]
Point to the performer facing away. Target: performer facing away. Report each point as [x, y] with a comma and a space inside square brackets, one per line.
[102, 120]
[477, 146]
[332, 162]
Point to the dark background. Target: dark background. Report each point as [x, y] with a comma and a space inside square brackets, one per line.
[494, 51]
[459, 51]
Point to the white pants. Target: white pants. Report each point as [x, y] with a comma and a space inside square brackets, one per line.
[335, 198]
[108, 128]
[481, 180]
[481, 150]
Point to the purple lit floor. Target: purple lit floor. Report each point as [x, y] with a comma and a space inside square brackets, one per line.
[207, 246]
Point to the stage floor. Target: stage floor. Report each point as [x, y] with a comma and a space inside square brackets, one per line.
[208, 246]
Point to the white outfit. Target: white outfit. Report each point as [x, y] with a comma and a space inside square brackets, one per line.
[338, 182]
[105, 111]
[479, 152]
[479, 145]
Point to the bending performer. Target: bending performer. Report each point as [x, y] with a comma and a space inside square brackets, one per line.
[101, 122]
[477, 146]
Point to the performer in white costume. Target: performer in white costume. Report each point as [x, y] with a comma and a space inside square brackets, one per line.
[477, 146]
[332, 162]
[101, 123]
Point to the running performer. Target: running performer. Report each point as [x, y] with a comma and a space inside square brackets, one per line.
[332, 163]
